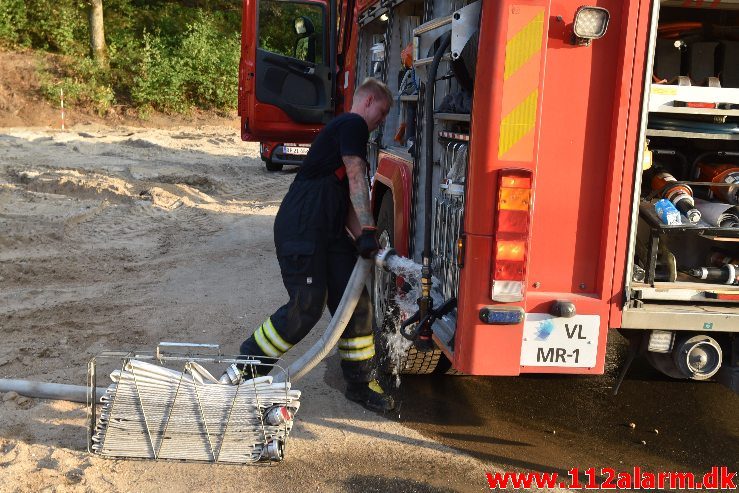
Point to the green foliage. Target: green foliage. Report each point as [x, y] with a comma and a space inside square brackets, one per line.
[199, 67]
[211, 64]
[58, 26]
[159, 78]
[83, 82]
[12, 21]
[165, 55]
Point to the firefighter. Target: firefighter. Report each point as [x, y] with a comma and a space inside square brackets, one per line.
[328, 199]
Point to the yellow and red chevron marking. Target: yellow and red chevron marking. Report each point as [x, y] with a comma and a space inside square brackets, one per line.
[521, 82]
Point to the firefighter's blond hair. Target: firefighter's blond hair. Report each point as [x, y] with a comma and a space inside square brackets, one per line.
[376, 88]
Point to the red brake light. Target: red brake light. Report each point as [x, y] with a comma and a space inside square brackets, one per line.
[512, 222]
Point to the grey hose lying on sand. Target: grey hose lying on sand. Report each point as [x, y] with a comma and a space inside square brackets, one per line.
[335, 328]
[59, 391]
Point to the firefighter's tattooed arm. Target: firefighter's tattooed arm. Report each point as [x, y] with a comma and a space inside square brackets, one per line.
[356, 172]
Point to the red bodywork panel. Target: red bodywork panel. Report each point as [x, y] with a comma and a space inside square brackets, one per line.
[363, 4]
[396, 175]
[348, 41]
[581, 150]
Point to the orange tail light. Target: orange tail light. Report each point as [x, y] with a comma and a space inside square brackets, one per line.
[511, 235]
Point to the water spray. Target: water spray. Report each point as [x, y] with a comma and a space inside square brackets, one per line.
[418, 327]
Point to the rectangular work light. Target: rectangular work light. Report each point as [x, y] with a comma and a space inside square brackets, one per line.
[590, 23]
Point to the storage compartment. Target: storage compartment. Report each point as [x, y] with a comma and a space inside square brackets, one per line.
[397, 41]
[687, 239]
[411, 32]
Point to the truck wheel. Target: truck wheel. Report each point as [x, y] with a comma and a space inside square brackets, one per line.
[272, 166]
[445, 367]
[387, 312]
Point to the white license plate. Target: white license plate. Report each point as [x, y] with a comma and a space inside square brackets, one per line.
[557, 341]
[296, 150]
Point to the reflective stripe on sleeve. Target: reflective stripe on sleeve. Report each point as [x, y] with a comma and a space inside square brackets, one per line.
[265, 345]
[271, 333]
[357, 342]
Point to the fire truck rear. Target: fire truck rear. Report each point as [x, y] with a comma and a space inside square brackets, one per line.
[559, 170]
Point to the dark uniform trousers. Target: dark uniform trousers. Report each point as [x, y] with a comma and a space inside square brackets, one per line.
[315, 273]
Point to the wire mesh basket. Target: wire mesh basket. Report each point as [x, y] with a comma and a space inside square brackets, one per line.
[166, 404]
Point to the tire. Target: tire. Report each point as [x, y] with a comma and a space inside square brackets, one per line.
[272, 166]
[445, 367]
[386, 310]
[421, 363]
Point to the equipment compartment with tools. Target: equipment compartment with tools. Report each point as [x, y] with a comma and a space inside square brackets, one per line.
[427, 134]
[686, 233]
[689, 201]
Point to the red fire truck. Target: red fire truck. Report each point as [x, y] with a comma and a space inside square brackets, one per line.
[544, 160]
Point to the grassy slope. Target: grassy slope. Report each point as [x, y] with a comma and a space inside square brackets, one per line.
[22, 104]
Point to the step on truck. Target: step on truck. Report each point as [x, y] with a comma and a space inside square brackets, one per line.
[562, 170]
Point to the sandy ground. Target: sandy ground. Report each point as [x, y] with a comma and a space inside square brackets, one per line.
[117, 238]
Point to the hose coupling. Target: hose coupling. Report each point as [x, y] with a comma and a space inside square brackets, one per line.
[232, 375]
[384, 256]
[274, 450]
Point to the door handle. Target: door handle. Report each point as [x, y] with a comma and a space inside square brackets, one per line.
[283, 62]
[300, 69]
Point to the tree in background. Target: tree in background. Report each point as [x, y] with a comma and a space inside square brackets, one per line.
[98, 48]
[161, 55]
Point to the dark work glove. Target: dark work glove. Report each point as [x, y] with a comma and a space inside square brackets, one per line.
[367, 243]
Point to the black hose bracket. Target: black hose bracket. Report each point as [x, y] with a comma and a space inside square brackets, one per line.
[422, 333]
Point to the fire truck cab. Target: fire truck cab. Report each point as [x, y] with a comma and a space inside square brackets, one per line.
[525, 160]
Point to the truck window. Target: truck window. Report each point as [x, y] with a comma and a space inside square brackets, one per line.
[292, 29]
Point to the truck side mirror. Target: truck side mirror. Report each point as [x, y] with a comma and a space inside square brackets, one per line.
[303, 27]
[305, 30]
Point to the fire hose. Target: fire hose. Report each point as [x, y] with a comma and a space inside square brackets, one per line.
[41, 390]
[320, 349]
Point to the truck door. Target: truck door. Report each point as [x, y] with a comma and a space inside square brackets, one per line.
[286, 85]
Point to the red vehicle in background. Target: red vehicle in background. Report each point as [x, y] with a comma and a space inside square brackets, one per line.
[276, 155]
[525, 184]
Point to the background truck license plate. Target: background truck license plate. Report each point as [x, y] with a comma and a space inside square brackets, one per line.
[556, 341]
[296, 149]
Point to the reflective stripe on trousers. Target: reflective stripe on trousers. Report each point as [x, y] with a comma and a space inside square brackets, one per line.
[357, 348]
[269, 341]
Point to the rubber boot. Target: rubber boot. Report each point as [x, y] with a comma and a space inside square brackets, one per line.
[370, 395]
